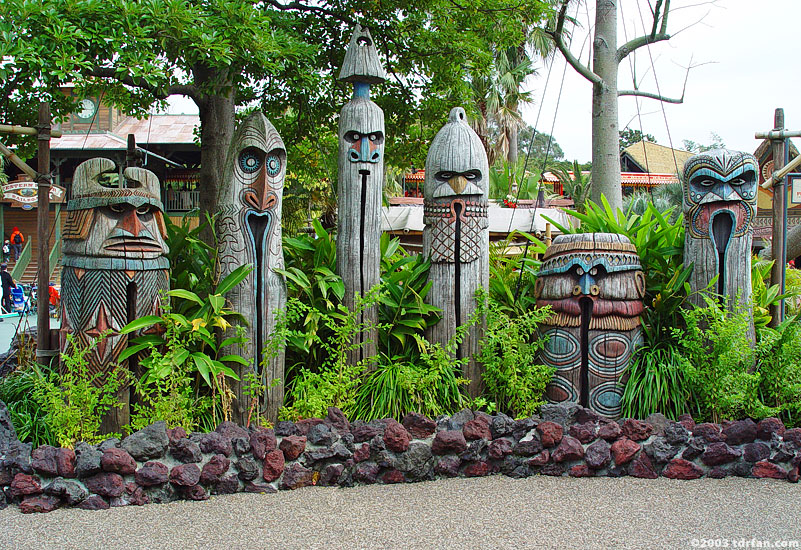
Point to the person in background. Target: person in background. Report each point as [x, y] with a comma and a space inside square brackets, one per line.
[16, 242]
[54, 297]
[8, 284]
[6, 250]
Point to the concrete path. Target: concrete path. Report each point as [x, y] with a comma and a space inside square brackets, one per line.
[494, 513]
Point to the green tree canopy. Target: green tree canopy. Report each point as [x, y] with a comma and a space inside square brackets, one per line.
[629, 136]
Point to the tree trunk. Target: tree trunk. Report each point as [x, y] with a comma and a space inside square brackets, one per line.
[605, 155]
[512, 132]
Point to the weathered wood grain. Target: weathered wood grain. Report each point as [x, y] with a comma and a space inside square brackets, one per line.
[360, 186]
[248, 227]
[456, 235]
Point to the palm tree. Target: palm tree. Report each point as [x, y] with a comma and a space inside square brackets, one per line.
[574, 183]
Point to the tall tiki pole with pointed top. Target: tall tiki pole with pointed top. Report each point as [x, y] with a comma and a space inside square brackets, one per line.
[456, 234]
[115, 269]
[249, 232]
[361, 181]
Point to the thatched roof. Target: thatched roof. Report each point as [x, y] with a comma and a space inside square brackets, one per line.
[655, 158]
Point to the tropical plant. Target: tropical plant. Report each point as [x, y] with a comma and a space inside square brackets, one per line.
[27, 415]
[74, 401]
[515, 380]
[656, 383]
[513, 272]
[575, 183]
[763, 294]
[193, 261]
[504, 182]
[780, 370]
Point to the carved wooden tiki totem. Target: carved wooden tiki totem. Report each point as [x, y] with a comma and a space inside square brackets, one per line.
[595, 285]
[361, 181]
[249, 232]
[720, 190]
[456, 233]
[114, 265]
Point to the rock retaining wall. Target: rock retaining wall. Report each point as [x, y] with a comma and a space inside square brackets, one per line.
[158, 464]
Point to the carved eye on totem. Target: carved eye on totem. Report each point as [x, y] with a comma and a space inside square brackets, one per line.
[273, 164]
[250, 160]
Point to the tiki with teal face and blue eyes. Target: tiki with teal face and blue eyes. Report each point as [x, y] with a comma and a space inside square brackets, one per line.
[720, 195]
[361, 182]
[594, 284]
[249, 232]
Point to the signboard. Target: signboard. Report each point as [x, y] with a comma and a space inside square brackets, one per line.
[24, 194]
[794, 183]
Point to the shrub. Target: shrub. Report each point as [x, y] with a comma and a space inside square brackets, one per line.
[656, 383]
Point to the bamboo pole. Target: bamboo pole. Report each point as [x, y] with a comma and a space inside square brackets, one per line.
[18, 162]
[25, 130]
[779, 218]
[779, 174]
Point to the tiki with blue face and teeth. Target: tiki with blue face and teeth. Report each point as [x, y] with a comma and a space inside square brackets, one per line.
[456, 234]
[720, 194]
[249, 232]
[361, 182]
[595, 285]
[114, 265]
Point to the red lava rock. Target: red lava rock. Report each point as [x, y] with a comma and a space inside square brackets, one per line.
[741, 431]
[175, 434]
[642, 467]
[23, 485]
[337, 420]
[231, 430]
[623, 450]
[687, 421]
[292, 446]
[569, 449]
[793, 436]
[636, 430]
[448, 466]
[583, 432]
[541, 459]
[136, 495]
[33, 504]
[214, 469]
[65, 460]
[215, 443]
[94, 502]
[396, 438]
[43, 460]
[393, 476]
[185, 475]
[262, 441]
[552, 470]
[296, 476]
[105, 484]
[331, 475]
[769, 426]
[477, 469]
[273, 465]
[768, 469]
[303, 426]
[478, 428]
[550, 433]
[118, 461]
[580, 470]
[362, 453]
[499, 448]
[609, 431]
[195, 492]
[419, 426]
[152, 473]
[708, 431]
[597, 455]
[678, 468]
[754, 452]
[792, 475]
[448, 442]
[719, 453]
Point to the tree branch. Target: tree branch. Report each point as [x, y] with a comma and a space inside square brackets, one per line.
[651, 96]
[297, 6]
[556, 36]
[639, 42]
[158, 93]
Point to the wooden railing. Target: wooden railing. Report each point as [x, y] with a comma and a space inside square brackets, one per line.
[182, 200]
[22, 262]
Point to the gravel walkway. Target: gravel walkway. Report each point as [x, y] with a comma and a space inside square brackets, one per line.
[493, 512]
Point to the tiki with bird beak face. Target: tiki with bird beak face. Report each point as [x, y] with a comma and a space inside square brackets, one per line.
[720, 194]
[594, 284]
[249, 232]
[114, 265]
[456, 233]
[361, 182]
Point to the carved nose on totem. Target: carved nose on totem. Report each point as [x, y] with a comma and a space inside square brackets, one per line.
[258, 196]
[586, 286]
[458, 184]
[364, 151]
[130, 224]
[724, 191]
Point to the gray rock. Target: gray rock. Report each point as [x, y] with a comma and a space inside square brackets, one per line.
[476, 451]
[247, 468]
[322, 435]
[598, 454]
[148, 443]
[87, 460]
[501, 425]
[71, 492]
[660, 450]
[186, 451]
[676, 434]
[109, 443]
[563, 413]
[659, 421]
[284, 428]
[417, 462]
[458, 420]
[241, 445]
[8, 436]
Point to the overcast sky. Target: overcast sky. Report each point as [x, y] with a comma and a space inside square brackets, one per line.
[751, 50]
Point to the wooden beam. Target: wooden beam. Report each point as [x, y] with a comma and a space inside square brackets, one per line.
[779, 220]
[25, 130]
[43, 351]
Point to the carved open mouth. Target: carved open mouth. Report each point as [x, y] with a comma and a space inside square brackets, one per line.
[134, 245]
[600, 306]
[705, 213]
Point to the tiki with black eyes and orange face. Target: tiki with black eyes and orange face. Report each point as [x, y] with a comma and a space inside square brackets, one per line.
[114, 266]
[594, 284]
[361, 181]
[720, 195]
[249, 232]
[456, 234]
